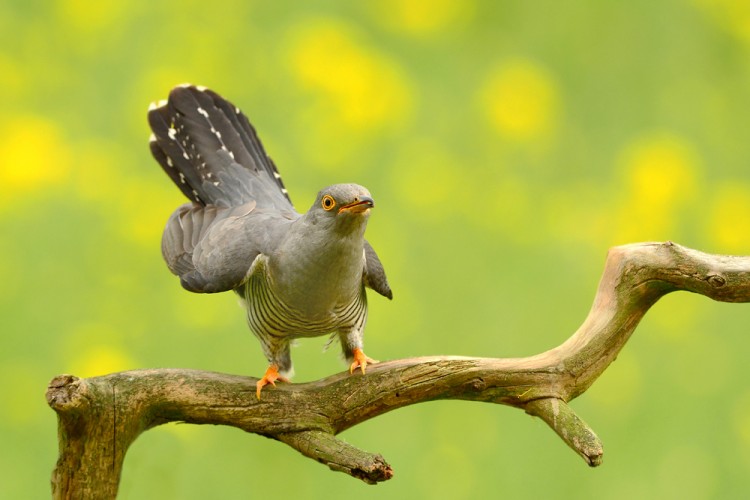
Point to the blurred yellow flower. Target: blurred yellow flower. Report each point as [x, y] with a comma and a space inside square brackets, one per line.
[364, 86]
[729, 218]
[660, 170]
[101, 359]
[35, 157]
[732, 15]
[356, 90]
[660, 178]
[521, 100]
[422, 17]
[92, 16]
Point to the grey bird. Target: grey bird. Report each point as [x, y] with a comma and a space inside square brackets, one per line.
[300, 275]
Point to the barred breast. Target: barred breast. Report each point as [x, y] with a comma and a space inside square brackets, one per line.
[275, 323]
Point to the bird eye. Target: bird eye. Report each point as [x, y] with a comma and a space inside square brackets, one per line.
[328, 202]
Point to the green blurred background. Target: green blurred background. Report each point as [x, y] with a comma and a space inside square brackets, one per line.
[508, 144]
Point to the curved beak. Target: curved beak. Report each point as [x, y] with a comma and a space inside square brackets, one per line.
[359, 205]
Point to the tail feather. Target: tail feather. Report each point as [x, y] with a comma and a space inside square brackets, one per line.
[171, 155]
[250, 138]
[210, 150]
[168, 165]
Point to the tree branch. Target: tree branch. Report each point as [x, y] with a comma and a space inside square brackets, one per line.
[100, 417]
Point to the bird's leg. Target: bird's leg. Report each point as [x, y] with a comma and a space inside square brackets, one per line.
[271, 376]
[360, 360]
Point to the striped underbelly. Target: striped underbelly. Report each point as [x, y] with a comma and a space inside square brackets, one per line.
[267, 314]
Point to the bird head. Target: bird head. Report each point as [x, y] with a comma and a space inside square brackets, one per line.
[342, 205]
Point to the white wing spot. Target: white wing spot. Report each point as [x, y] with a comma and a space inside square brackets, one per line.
[216, 183]
[218, 134]
[276, 175]
[182, 178]
[203, 111]
[195, 193]
[231, 154]
[172, 133]
[184, 154]
[169, 161]
[209, 175]
[152, 138]
[237, 110]
[283, 190]
[201, 88]
[152, 106]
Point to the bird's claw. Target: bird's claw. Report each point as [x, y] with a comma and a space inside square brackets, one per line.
[360, 360]
[270, 377]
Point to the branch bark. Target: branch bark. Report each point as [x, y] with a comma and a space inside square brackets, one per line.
[99, 417]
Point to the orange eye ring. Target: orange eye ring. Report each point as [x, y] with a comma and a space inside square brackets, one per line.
[328, 202]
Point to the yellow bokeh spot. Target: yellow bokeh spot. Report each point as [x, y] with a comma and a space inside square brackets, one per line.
[732, 15]
[660, 177]
[34, 155]
[94, 349]
[92, 16]
[363, 86]
[101, 359]
[729, 219]
[521, 100]
[422, 17]
[661, 170]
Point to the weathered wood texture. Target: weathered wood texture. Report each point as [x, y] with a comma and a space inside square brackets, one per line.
[100, 417]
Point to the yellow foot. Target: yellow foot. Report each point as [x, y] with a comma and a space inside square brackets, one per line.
[361, 360]
[271, 376]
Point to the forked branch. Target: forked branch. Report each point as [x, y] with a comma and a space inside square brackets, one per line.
[100, 417]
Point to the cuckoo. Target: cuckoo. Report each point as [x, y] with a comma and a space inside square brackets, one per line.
[299, 275]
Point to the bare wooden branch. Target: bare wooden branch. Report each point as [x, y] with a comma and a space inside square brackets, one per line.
[100, 417]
